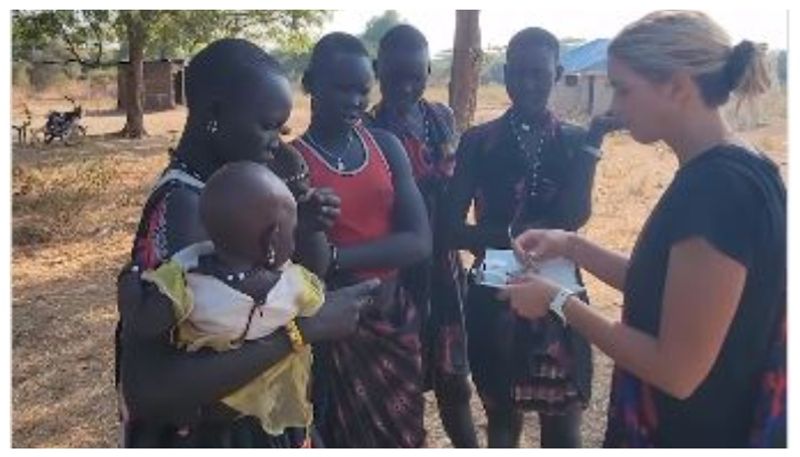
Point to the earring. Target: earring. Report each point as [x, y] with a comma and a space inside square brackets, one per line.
[212, 126]
[271, 257]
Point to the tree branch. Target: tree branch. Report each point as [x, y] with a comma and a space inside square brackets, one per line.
[72, 47]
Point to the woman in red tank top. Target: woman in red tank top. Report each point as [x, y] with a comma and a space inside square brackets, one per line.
[367, 388]
[366, 192]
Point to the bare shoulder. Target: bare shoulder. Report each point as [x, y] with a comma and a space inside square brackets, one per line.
[392, 148]
[183, 218]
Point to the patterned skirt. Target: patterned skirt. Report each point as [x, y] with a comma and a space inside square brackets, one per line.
[521, 364]
[367, 388]
[438, 286]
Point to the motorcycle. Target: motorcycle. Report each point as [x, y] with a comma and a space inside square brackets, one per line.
[64, 125]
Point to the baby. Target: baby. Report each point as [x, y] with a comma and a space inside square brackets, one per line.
[241, 286]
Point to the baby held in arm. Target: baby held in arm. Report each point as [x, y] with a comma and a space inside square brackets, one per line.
[241, 286]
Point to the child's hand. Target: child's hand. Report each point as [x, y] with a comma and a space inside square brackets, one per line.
[291, 167]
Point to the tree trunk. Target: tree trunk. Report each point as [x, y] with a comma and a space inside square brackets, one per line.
[466, 68]
[134, 115]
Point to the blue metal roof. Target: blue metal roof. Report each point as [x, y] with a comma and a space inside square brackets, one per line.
[591, 56]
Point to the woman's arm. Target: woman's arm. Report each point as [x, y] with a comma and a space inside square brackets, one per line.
[315, 214]
[162, 381]
[608, 266]
[410, 240]
[573, 205]
[312, 251]
[702, 291]
[460, 193]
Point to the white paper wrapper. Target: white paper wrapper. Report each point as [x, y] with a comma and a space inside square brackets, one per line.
[500, 265]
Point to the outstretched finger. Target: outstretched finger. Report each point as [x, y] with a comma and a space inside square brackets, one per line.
[362, 292]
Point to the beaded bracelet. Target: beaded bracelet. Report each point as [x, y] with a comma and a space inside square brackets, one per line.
[295, 336]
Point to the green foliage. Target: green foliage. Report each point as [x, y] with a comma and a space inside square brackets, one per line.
[85, 35]
[492, 68]
[291, 31]
[377, 27]
[294, 63]
[494, 59]
[79, 34]
[440, 67]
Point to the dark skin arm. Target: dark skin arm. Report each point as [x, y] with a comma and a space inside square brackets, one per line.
[313, 253]
[573, 205]
[316, 213]
[317, 209]
[410, 240]
[150, 314]
[460, 194]
[162, 381]
[571, 211]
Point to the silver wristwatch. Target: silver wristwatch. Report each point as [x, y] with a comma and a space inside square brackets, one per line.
[558, 302]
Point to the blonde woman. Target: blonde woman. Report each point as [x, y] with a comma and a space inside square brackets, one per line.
[700, 351]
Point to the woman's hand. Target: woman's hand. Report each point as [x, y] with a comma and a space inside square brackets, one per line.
[338, 317]
[535, 245]
[530, 295]
[319, 210]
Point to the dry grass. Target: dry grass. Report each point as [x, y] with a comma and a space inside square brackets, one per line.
[75, 210]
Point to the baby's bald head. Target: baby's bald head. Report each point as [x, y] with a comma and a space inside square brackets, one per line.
[247, 210]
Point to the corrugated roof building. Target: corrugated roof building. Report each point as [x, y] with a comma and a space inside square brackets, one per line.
[584, 91]
[591, 57]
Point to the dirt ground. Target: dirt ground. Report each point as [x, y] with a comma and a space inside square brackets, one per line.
[75, 210]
